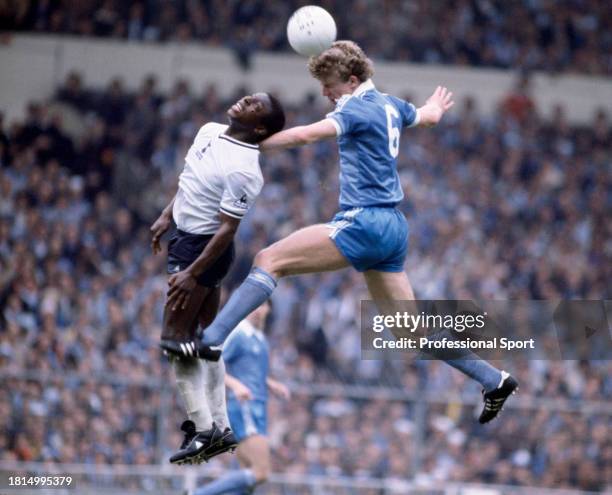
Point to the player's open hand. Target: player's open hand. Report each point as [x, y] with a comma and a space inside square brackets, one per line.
[280, 390]
[158, 229]
[241, 391]
[181, 284]
[442, 98]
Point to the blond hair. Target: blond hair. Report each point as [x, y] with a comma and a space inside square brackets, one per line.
[343, 59]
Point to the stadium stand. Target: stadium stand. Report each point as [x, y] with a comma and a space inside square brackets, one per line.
[568, 36]
[511, 207]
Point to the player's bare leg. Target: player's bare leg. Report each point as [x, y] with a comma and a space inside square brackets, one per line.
[181, 324]
[254, 453]
[254, 456]
[307, 250]
[209, 307]
[388, 287]
[391, 291]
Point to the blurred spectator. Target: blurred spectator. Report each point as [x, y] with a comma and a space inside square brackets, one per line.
[545, 35]
[497, 210]
[518, 104]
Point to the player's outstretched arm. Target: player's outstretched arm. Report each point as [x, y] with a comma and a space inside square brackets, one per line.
[300, 135]
[436, 105]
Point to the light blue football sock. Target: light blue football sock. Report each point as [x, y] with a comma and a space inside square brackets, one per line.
[251, 294]
[479, 370]
[232, 482]
[467, 362]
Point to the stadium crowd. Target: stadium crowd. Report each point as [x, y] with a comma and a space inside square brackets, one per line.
[532, 34]
[509, 207]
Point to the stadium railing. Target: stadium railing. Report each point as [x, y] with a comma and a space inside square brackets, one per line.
[336, 389]
[90, 479]
[163, 478]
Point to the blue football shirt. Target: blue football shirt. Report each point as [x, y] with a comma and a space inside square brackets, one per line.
[246, 355]
[368, 124]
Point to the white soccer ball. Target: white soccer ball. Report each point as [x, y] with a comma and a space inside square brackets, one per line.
[311, 30]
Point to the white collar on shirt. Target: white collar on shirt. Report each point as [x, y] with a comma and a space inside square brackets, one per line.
[359, 90]
[363, 87]
[249, 329]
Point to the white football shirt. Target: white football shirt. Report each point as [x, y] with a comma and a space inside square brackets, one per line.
[220, 174]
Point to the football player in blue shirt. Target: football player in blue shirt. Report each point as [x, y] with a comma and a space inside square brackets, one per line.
[369, 233]
[246, 356]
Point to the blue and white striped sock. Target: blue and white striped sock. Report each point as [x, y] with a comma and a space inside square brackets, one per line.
[251, 294]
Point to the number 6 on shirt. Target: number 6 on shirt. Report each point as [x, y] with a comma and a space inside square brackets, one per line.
[394, 132]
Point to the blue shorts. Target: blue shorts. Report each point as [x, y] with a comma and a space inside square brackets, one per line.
[371, 238]
[247, 418]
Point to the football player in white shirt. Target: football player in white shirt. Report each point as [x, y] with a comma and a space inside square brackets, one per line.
[219, 183]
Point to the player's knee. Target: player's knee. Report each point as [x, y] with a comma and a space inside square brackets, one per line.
[264, 259]
[268, 260]
[261, 472]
